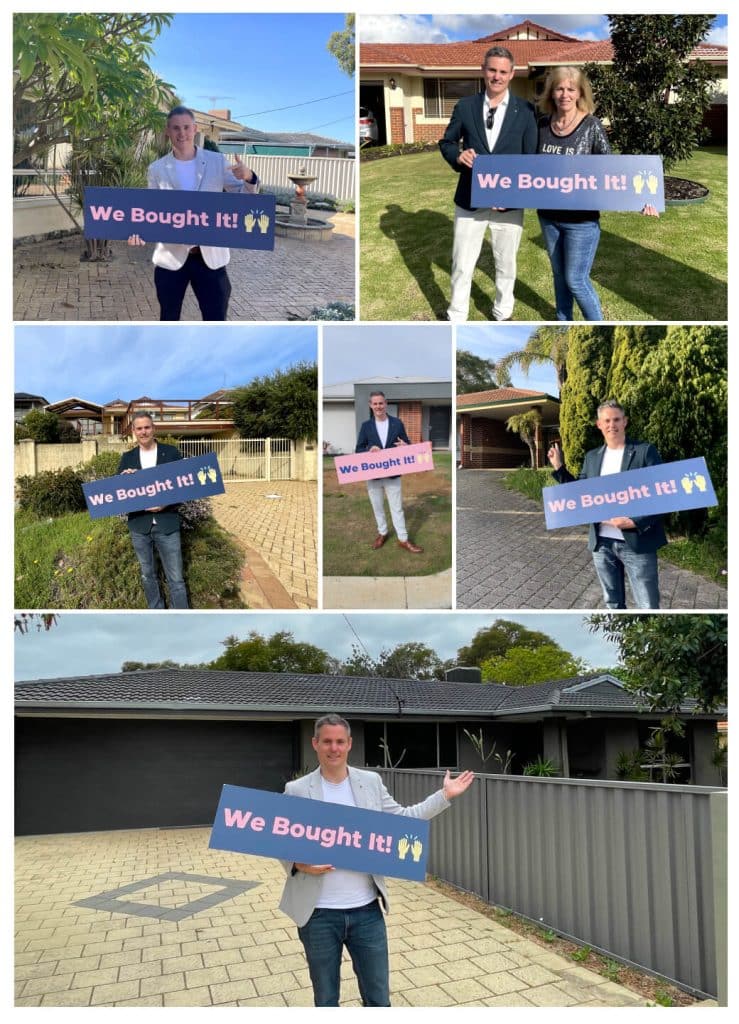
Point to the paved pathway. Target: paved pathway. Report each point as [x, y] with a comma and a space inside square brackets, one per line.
[276, 524]
[238, 949]
[388, 591]
[50, 282]
[507, 559]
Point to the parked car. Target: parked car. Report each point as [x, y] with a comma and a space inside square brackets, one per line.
[368, 128]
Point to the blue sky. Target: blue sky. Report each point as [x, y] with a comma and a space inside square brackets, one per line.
[446, 28]
[104, 362]
[497, 340]
[353, 351]
[87, 644]
[252, 63]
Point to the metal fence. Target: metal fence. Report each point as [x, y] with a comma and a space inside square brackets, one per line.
[334, 177]
[267, 458]
[634, 870]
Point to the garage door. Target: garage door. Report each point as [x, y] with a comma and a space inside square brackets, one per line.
[81, 775]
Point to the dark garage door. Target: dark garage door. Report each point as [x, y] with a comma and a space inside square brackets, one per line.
[84, 774]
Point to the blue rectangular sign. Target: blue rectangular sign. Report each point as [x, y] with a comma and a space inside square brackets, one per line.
[568, 182]
[241, 220]
[316, 832]
[656, 490]
[168, 484]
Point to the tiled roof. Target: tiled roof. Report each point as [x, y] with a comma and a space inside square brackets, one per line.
[525, 26]
[497, 395]
[270, 692]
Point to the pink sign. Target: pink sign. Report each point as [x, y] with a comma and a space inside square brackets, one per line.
[405, 458]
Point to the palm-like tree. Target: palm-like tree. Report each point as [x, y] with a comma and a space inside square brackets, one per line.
[547, 344]
[526, 424]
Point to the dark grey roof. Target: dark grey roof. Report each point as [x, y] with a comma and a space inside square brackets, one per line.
[283, 138]
[289, 692]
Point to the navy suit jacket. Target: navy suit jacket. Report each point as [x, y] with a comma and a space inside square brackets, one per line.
[368, 436]
[168, 520]
[518, 134]
[648, 533]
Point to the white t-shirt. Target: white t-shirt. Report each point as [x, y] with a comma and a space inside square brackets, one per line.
[343, 889]
[382, 427]
[148, 457]
[186, 174]
[612, 461]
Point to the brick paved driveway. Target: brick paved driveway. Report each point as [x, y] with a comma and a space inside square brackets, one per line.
[197, 927]
[50, 282]
[507, 559]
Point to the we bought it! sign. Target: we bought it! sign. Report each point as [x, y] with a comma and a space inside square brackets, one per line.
[168, 484]
[317, 832]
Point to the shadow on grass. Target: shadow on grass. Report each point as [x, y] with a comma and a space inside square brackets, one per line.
[653, 282]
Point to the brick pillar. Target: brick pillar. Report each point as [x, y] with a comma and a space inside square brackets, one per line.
[411, 413]
[397, 129]
[466, 425]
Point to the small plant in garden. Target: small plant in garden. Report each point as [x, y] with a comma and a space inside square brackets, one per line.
[580, 954]
[478, 742]
[543, 767]
[333, 311]
[662, 997]
[549, 935]
[611, 969]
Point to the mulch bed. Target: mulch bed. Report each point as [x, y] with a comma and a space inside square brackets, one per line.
[683, 189]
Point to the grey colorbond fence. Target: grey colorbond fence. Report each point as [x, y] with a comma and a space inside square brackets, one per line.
[634, 870]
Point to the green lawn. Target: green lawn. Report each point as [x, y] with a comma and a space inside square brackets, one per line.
[671, 269]
[349, 525]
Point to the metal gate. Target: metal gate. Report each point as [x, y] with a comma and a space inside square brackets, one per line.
[259, 458]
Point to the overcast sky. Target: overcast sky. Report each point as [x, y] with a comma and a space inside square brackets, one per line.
[495, 341]
[102, 362]
[353, 351]
[99, 642]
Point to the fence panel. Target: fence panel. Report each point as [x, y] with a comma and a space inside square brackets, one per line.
[334, 177]
[627, 868]
[246, 458]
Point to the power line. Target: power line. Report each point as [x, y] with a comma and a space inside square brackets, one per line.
[305, 103]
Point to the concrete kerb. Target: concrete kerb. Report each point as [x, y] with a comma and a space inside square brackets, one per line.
[419, 592]
[186, 935]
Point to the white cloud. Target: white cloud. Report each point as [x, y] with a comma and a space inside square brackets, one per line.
[719, 36]
[398, 28]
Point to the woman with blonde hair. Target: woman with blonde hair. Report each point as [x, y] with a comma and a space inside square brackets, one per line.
[568, 127]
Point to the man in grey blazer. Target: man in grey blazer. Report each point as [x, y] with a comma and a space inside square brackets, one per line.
[622, 546]
[194, 169]
[493, 121]
[334, 908]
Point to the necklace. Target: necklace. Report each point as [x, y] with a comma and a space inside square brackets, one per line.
[561, 129]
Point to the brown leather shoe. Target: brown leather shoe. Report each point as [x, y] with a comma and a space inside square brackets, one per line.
[379, 541]
[410, 546]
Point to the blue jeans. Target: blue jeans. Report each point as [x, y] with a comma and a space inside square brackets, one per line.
[614, 560]
[170, 554]
[572, 249]
[362, 931]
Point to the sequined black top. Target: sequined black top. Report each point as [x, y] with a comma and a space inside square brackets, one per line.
[588, 138]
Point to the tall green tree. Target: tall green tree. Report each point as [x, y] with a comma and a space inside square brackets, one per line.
[284, 404]
[497, 639]
[526, 424]
[670, 659]
[632, 343]
[588, 365]
[409, 660]
[477, 374]
[652, 95]
[277, 653]
[83, 77]
[341, 45]
[547, 346]
[523, 666]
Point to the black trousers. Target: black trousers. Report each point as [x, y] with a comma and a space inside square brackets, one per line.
[212, 288]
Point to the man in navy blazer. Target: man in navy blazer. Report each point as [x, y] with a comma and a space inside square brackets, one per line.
[156, 528]
[493, 121]
[378, 432]
[194, 169]
[621, 546]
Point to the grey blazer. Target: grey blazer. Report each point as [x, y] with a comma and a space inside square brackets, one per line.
[302, 891]
[213, 174]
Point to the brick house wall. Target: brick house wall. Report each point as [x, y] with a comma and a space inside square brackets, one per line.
[411, 413]
[396, 132]
[486, 444]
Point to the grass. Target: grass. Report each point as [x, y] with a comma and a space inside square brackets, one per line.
[75, 562]
[707, 555]
[349, 525]
[671, 269]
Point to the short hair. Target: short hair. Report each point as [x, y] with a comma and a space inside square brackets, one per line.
[374, 394]
[176, 111]
[142, 414]
[331, 719]
[579, 79]
[499, 51]
[611, 403]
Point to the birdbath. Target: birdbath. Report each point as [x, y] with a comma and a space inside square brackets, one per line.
[299, 204]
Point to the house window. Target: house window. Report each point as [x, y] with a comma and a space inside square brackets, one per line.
[410, 745]
[441, 94]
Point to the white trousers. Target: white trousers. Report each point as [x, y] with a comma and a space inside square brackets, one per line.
[506, 228]
[390, 487]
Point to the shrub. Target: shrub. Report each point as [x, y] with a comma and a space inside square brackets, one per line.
[334, 311]
[396, 149]
[53, 493]
[99, 466]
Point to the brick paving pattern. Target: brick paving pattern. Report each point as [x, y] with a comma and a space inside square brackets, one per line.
[282, 530]
[243, 951]
[507, 559]
[50, 282]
